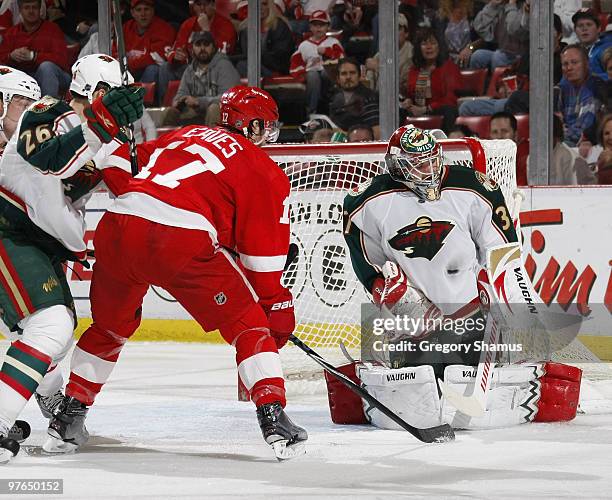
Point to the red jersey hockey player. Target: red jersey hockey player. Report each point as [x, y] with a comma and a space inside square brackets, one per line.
[200, 190]
[309, 58]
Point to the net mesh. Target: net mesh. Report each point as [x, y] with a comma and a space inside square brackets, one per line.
[328, 295]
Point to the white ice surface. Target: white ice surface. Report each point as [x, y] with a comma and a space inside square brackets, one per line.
[167, 425]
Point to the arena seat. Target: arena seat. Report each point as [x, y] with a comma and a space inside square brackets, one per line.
[72, 52]
[522, 127]
[478, 124]
[149, 97]
[171, 91]
[473, 81]
[290, 95]
[424, 122]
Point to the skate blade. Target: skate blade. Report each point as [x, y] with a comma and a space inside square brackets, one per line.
[287, 452]
[55, 446]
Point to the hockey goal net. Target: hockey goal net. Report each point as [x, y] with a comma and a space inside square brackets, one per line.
[328, 295]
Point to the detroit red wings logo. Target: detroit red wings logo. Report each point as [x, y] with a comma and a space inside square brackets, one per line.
[423, 238]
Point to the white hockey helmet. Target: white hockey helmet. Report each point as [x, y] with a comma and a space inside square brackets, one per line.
[93, 69]
[15, 82]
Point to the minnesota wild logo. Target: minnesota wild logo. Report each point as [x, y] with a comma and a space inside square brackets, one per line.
[50, 284]
[488, 183]
[423, 238]
[44, 104]
[415, 140]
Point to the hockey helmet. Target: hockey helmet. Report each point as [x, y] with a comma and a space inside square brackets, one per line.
[93, 69]
[14, 82]
[252, 111]
[414, 157]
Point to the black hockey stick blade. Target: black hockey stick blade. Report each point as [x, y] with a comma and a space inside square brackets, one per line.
[438, 434]
[292, 253]
[122, 56]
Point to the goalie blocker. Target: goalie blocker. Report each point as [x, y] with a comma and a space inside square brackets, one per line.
[535, 392]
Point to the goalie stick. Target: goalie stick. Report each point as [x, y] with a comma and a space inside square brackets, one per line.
[122, 56]
[475, 404]
[438, 434]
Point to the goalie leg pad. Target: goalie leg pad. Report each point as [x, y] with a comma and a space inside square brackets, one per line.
[344, 405]
[512, 400]
[560, 393]
[411, 392]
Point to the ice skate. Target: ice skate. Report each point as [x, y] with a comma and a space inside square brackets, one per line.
[287, 439]
[48, 404]
[8, 447]
[67, 427]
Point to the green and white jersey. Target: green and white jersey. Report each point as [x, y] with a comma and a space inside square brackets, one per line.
[439, 244]
[38, 163]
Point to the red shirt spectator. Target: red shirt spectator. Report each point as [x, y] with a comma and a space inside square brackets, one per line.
[445, 79]
[206, 19]
[147, 37]
[42, 41]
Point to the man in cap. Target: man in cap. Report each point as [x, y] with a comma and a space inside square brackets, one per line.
[208, 76]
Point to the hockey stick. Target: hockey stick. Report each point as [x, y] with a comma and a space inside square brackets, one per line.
[438, 434]
[475, 404]
[122, 56]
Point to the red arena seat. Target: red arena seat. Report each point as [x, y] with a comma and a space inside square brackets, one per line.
[478, 124]
[424, 122]
[149, 97]
[473, 81]
[522, 127]
[171, 91]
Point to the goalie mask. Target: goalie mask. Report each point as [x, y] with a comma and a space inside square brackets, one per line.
[14, 82]
[414, 158]
[89, 71]
[252, 111]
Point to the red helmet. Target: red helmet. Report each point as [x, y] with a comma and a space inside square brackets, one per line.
[252, 111]
[414, 157]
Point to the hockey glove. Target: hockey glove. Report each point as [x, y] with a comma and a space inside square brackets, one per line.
[119, 107]
[281, 318]
[393, 288]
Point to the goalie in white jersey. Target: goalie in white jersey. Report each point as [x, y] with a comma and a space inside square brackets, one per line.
[421, 240]
[433, 222]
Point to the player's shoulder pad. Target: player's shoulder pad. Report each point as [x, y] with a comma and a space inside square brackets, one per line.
[464, 178]
[375, 186]
[46, 111]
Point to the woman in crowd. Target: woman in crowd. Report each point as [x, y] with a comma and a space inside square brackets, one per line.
[432, 80]
[277, 43]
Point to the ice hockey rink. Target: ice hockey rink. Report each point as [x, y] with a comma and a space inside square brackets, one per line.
[167, 425]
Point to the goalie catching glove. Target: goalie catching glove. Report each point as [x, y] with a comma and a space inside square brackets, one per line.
[281, 317]
[119, 107]
[395, 295]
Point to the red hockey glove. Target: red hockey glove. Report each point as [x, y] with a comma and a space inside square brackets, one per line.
[395, 285]
[281, 318]
[119, 107]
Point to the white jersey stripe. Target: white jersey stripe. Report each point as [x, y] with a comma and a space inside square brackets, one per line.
[258, 367]
[90, 367]
[263, 264]
[150, 208]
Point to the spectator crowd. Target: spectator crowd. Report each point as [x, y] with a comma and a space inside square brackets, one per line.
[463, 66]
